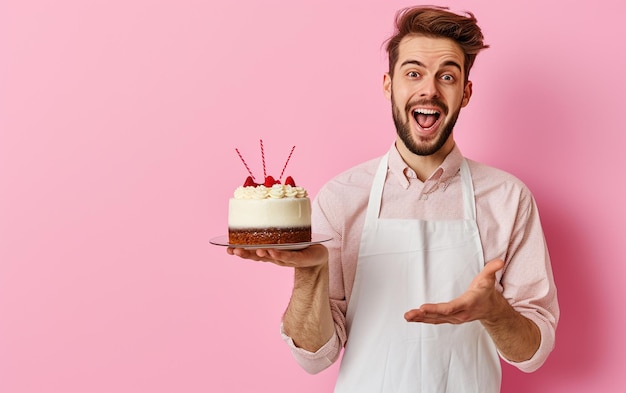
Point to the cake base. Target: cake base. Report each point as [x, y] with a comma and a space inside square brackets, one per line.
[269, 235]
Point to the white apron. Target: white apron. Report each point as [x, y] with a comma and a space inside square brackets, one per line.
[403, 264]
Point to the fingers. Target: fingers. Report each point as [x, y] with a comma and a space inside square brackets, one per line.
[434, 317]
[439, 310]
[259, 255]
[242, 253]
[415, 315]
[310, 256]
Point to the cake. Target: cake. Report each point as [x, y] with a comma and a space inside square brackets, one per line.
[269, 213]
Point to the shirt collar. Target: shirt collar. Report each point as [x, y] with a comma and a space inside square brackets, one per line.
[404, 174]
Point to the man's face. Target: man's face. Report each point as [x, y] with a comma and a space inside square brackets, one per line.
[427, 92]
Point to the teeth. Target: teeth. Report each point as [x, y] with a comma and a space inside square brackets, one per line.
[426, 111]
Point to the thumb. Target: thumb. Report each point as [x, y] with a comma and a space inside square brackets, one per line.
[493, 266]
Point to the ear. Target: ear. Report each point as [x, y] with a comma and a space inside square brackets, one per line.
[467, 93]
[387, 85]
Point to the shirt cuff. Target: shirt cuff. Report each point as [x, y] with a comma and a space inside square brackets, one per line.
[314, 362]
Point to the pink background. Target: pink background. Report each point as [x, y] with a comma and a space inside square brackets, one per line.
[118, 123]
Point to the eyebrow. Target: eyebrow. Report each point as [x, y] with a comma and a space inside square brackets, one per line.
[420, 64]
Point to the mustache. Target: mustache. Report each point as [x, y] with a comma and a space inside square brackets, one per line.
[427, 102]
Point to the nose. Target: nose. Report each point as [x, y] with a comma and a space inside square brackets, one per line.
[429, 89]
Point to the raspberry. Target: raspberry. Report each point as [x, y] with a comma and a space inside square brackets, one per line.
[289, 181]
[249, 182]
[269, 181]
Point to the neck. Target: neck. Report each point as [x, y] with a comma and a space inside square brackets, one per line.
[424, 166]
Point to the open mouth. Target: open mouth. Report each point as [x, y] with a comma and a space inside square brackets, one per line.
[426, 118]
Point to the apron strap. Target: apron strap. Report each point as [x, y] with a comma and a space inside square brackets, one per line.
[469, 205]
[376, 192]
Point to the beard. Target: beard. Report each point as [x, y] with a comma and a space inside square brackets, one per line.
[423, 147]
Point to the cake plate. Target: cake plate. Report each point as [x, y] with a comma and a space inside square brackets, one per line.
[316, 238]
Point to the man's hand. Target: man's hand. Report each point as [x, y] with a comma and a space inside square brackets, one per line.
[312, 256]
[516, 336]
[479, 302]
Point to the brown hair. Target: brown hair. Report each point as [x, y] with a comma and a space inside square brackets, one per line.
[436, 22]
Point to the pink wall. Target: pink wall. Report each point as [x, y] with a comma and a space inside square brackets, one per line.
[118, 123]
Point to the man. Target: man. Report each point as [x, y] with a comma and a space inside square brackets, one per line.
[438, 264]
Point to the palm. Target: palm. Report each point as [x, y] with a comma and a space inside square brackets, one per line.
[474, 304]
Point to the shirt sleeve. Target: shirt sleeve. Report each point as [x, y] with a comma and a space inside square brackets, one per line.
[314, 362]
[527, 281]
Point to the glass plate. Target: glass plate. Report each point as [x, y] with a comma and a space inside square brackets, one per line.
[316, 238]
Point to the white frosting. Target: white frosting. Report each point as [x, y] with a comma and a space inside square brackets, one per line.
[277, 191]
[279, 206]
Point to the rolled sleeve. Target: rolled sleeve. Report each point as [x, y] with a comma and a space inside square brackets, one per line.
[314, 362]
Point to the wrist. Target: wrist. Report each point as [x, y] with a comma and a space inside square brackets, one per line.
[500, 312]
[311, 273]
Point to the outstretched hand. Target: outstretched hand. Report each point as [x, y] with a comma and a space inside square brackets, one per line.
[479, 302]
[311, 256]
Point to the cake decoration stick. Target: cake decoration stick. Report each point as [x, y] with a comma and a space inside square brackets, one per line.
[288, 158]
[244, 163]
[263, 159]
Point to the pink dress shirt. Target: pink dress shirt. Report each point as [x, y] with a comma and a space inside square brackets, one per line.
[508, 222]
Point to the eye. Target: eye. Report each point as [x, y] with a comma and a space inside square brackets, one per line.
[413, 74]
[447, 78]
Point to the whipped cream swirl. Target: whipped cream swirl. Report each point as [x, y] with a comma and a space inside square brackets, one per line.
[277, 191]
